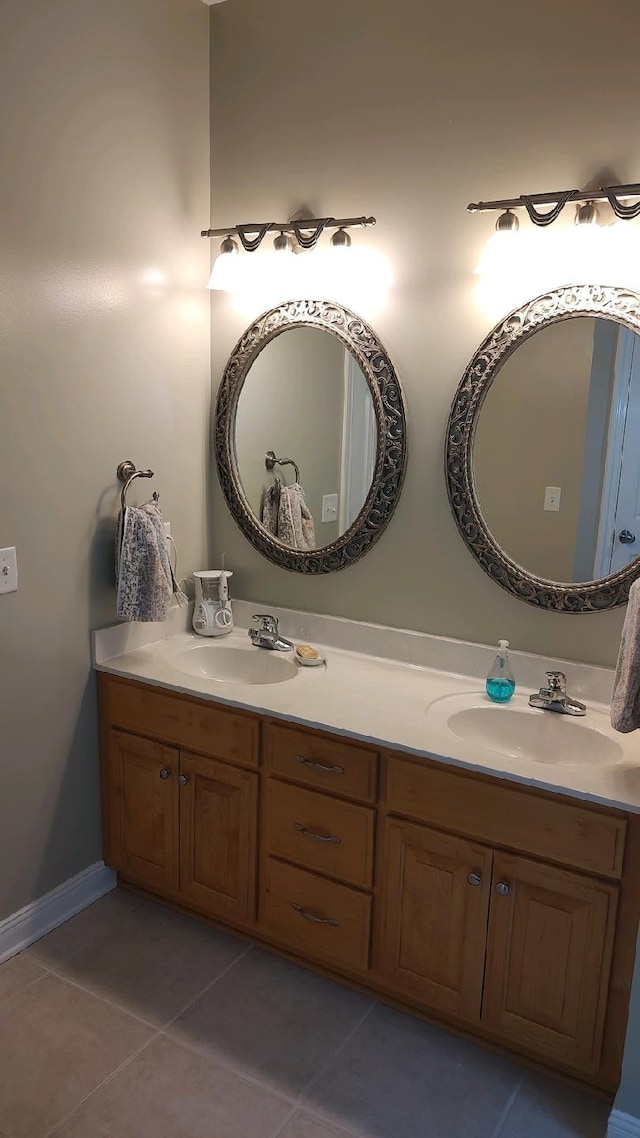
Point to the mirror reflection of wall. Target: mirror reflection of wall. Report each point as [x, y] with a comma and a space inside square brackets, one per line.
[305, 398]
[556, 430]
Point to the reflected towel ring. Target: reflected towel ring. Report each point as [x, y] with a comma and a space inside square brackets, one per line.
[270, 461]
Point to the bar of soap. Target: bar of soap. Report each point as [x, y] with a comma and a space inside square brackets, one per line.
[307, 652]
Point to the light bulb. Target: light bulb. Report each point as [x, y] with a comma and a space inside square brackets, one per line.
[498, 255]
[226, 268]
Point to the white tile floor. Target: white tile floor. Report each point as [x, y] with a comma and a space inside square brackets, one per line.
[131, 1021]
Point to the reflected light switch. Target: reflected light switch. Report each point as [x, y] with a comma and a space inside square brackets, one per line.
[8, 570]
[329, 507]
[552, 498]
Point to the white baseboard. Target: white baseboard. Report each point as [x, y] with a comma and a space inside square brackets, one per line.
[623, 1125]
[41, 916]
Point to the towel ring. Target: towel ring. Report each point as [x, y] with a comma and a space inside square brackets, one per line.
[270, 461]
[126, 472]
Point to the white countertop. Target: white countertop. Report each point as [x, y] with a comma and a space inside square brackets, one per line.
[390, 703]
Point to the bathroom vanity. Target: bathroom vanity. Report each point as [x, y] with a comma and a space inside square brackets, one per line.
[499, 907]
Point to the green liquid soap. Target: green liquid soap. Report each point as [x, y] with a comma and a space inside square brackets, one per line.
[499, 690]
[501, 682]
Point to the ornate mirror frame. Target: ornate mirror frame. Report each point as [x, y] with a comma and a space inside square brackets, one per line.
[617, 304]
[391, 447]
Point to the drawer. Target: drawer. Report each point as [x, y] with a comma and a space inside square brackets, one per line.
[194, 725]
[312, 915]
[322, 761]
[320, 833]
[548, 828]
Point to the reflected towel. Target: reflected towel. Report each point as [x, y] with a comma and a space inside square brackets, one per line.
[270, 503]
[625, 703]
[295, 523]
[143, 571]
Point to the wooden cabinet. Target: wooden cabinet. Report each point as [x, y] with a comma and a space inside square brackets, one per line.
[549, 959]
[218, 827]
[459, 915]
[436, 902]
[510, 912]
[142, 808]
[182, 824]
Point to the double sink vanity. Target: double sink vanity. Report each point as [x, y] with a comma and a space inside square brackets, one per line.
[380, 820]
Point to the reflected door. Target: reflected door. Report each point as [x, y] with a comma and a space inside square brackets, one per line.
[620, 526]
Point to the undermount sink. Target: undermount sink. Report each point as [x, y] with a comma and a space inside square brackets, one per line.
[229, 665]
[521, 732]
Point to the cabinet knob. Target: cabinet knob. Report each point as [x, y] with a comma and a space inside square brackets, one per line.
[183, 779]
[474, 879]
[165, 772]
[503, 888]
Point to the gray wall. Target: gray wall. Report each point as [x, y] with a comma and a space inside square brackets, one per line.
[104, 138]
[531, 434]
[408, 111]
[291, 403]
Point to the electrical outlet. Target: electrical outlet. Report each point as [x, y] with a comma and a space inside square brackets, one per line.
[8, 570]
[329, 507]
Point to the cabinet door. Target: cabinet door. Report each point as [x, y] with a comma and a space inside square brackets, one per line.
[436, 904]
[218, 832]
[548, 959]
[143, 810]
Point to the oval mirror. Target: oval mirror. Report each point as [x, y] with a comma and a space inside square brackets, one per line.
[310, 436]
[543, 463]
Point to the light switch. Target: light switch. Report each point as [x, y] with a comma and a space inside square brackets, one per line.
[329, 507]
[552, 498]
[8, 570]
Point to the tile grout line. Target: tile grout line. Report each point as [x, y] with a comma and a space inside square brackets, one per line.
[32, 949]
[126, 1010]
[298, 1103]
[207, 988]
[157, 1033]
[202, 1053]
[21, 991]
[500, 1124]
[108, 1078]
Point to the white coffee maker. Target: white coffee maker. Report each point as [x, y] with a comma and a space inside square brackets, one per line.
[212, 615]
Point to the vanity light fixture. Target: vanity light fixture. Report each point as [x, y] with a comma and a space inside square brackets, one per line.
[559, 198]
[293, 236]
[589, 247]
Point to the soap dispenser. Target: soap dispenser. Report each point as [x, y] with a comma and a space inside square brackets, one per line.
[501, 682]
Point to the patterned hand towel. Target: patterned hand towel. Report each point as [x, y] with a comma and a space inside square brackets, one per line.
[295, 523]
[625, 704]
[270, 502]
[143, 570]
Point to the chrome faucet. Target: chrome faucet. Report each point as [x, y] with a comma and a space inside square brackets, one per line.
[267, 635]
[554, 696]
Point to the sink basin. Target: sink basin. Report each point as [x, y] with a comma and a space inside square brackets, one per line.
[229, 665]
[521, 732]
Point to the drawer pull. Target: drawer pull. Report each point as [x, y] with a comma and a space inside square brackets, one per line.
[319, 766]
[474, 879]
[503, 889]
[183, 779]
[165, 772]
[332, 838]
[316, 920]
